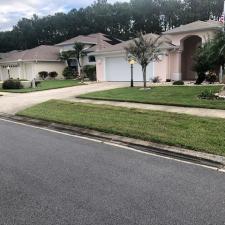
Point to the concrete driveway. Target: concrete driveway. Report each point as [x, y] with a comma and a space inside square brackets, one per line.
[11, 103]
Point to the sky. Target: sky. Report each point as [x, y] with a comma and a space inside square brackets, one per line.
[13, 10]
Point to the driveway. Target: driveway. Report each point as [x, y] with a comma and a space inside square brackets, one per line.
[49, 178]
[13, 102]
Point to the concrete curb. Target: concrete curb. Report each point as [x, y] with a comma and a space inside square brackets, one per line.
[146, 146]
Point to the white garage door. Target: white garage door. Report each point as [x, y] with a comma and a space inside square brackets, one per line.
[118, 69]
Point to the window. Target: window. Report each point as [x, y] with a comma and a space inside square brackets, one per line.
[91, 58]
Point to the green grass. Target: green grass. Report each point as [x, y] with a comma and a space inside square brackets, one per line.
[46, 85]
[197, 133]
[186, 96]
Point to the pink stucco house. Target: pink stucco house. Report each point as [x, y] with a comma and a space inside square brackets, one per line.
[176, 61]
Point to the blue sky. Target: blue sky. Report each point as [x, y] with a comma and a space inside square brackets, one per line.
[13, 10]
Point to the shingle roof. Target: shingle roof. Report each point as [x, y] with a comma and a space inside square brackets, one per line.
[40, 53]
[98, 40]
[6, 54]
[166, 43]
[196, 26]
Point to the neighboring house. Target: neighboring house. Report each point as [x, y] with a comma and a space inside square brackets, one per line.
[92, 43]
[178, 48]
[27, 64]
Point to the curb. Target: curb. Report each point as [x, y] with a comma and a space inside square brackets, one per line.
[145, 146]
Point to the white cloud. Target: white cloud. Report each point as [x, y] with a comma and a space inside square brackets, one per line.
[13, 10]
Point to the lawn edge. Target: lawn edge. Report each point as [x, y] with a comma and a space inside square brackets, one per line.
[147, 103]
[17, 92]
[145, 146]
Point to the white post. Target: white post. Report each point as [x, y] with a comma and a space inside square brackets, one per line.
[221, 75]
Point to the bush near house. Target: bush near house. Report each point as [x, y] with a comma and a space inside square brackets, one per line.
[11, 84]
[68, 73]
[53, 74]
[90, 72]
[43, 74]
[179, 82]
[211, 77]
[156, 80]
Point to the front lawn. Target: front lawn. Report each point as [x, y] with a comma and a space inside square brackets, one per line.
[46, 85]
[186, 96]
[197, 133]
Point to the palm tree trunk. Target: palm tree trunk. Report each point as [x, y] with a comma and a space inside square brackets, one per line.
[144, 76]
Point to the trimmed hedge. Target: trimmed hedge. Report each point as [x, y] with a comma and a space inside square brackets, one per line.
[43, 74]
[12, 84]
[68, 73]
[53, 74]
[178, 82]
[90, 72]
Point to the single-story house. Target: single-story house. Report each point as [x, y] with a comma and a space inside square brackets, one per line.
[27, 64]
[178, 48]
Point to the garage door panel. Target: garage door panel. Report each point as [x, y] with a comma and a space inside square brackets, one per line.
[118, 69]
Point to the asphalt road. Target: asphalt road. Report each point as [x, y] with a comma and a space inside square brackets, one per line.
[52, 179]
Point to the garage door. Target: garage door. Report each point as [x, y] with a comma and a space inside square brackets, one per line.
[118, 69]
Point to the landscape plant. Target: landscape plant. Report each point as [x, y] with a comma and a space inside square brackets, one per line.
[53, 74]
[68, 73]
[43, 74]
[12, 84]
[90, 72]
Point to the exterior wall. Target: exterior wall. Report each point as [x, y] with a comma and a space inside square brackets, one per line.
[161, 68]
[100, 68]
[204, 35]
[70, 47]
[14, 71]
[85, 61]
[29, 70]
[49, 67]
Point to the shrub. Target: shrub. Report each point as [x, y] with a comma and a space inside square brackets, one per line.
[69, 73]
[211, 77]
[90, 72]
[178, 82]
[43, 74]
[201, 78]
[53, 74]
[12, 84]
[156, 79]
[168, 80]
[207, 94]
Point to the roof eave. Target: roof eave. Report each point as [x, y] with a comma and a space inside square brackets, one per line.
[33, 60]
[192, 30]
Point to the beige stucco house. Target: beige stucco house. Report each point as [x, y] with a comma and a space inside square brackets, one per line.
[27, 64]
[176, 61]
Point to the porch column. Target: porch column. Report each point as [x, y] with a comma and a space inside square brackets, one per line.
[1, 75]
[177, 75]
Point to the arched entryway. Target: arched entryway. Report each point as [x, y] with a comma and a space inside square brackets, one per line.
[189, 46]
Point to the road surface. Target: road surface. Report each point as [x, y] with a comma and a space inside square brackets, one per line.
[49, 178]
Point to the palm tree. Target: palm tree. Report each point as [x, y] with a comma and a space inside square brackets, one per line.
[145, 50]
[77, 53]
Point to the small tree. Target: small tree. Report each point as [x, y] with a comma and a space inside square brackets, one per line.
[145, 50]
[210, 56]
[202, 61]
[78, 53]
